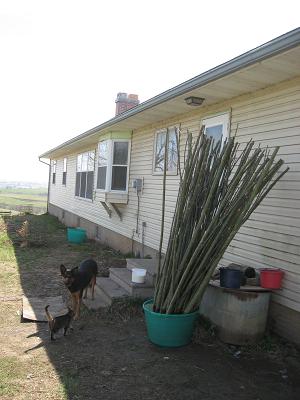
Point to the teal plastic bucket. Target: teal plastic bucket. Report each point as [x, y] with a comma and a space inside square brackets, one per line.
[169, 330]
[76, 235]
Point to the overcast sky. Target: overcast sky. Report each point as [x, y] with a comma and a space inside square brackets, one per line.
[63, 62]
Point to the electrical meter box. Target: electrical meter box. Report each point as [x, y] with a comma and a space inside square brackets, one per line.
[137, 184]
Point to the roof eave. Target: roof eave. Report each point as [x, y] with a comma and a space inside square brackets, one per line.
[267, 50]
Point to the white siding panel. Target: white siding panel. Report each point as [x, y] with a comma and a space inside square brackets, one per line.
[271, 236]
[292, 251]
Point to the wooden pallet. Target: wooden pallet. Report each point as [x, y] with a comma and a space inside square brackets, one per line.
[34, 307]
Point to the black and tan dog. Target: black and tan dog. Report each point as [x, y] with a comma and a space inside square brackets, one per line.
[78, 280]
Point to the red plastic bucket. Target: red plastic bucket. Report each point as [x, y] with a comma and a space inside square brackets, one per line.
[271, 278]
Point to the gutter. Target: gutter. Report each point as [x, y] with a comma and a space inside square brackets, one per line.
[278, 45]
[49, 179]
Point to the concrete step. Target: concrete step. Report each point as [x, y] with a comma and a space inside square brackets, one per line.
[101, 300]
[122, 276]
[150, 264]
[109, 290]
[98, 302]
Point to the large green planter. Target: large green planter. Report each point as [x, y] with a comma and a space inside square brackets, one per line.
[169, 330]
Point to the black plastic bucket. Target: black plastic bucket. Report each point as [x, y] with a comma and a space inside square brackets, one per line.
[230, 278]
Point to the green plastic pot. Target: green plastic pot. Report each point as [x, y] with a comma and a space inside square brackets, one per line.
[169, 330]
[76, 235]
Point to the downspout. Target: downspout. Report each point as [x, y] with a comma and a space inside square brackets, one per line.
[49, 178]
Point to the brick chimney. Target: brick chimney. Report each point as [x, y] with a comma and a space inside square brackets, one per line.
[124, 102]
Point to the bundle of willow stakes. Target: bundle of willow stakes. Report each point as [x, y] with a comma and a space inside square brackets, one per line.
[220, 186]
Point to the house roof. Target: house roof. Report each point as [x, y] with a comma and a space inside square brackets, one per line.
[273, 62]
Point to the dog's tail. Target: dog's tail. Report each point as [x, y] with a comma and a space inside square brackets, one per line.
[49, 316]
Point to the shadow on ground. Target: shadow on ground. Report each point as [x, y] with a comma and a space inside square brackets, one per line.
[108, 355]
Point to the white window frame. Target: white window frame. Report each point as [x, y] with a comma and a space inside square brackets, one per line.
[110, 165]
[65, 165]
[220, 119]
[106, 165]
[53, 175]
[87, 170]
[158, 132]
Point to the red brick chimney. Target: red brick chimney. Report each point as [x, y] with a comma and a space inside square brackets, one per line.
[124, 102]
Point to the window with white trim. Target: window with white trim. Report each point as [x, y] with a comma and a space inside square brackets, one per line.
[103, 151]
[159, 151]
[84, 185]
[113, 165]
[53, 171]
[217, 127]
[64, 176]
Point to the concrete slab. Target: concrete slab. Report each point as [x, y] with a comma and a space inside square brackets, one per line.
[34, 307]
[98, 302]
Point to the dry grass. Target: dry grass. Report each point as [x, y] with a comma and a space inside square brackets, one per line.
[26, 373]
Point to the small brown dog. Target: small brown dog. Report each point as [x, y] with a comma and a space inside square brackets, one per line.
[78, 279]
[60, 322]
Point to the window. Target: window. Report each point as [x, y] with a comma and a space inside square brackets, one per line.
[53, 171]
[217, 127]
[113, 161]
[102, 164]
[85, 175]
[159, 151]
[119, 166]
[64, 177]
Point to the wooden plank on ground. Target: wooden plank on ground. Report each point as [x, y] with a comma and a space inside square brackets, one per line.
[34, 307]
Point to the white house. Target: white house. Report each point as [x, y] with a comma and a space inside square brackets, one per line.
[109, 179]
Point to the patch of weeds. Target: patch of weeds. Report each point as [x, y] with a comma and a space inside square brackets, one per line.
[7, 252]
[87, 246]
[131, 255]
[10, 372]
[269, 344]
[69, 383]
[29, 256]
[125, 308]
[204, 331]
[85, 312]
[109, 252]
[47, 223]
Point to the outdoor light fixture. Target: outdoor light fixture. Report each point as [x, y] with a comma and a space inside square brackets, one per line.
[194, 101]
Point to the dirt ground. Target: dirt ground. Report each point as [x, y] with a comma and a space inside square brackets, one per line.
[108, 355]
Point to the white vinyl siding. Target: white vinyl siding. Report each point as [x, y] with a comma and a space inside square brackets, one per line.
[271, 237]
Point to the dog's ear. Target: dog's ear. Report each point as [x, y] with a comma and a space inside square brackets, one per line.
[63, 270]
